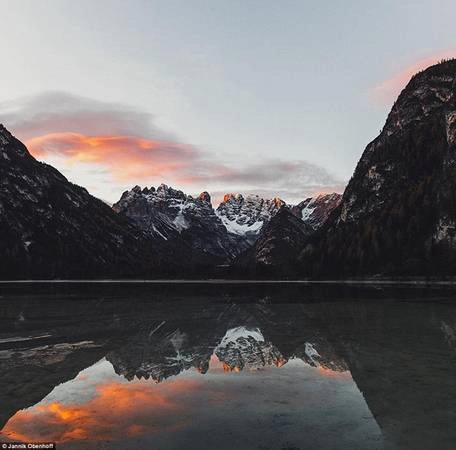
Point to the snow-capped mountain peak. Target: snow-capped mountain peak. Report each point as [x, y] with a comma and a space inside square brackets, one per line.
[247, 215]
[204, 197]
[315, 210]
[173, 215]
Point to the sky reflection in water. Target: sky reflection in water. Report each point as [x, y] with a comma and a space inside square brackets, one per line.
[222, 368]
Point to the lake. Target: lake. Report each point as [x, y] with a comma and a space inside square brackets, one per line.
[223, 366]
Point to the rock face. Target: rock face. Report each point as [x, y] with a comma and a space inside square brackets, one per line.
[51, 228]
[277, 232]
[398, 213]
[315, 211]
[223, 234]
[170, 215]
[245, 216]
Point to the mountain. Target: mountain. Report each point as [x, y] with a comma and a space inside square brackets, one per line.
[169, 214]
[239, 225]
[277, 247]
[315, 211]
[245, 216]
[51, 228]
[285, 232]
[397, 215]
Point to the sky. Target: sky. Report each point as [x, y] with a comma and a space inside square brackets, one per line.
[266, 97]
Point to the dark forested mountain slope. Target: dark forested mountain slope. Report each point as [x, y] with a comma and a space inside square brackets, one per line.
[171, 215]
[278, 246]
[398, 212]
[397, 215]
[52, 228]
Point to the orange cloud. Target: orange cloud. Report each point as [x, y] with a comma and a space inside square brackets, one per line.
[117, 411]
[387, 91]
[127, 157]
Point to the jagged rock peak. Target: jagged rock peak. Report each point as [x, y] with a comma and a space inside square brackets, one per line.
[232, 197]
[427, 92]
[4, 133]
[10, 145]
[173, 216]
[205, 197]
[164, 192]
[278, 202]
[247, 215]
[316, 210]
[167, 191]
[161, 192]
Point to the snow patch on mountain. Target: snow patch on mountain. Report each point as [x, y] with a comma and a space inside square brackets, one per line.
[315, 210]
[241, 229]
[172, 215]
[247, 215]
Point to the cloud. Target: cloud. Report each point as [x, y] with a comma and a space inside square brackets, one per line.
[290, 180]
[111, 147]
[60, 112]
[126, 157]
[268, 171]
[388, 90]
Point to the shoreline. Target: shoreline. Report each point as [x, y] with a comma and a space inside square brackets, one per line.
[366, 281]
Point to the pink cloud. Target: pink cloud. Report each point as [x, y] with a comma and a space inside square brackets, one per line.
[387, 91]
[126, 157]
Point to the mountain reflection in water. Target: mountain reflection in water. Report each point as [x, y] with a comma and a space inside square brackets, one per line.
[271, 367]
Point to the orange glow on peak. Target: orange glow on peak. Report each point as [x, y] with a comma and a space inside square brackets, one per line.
[228, 368]
[280, 362]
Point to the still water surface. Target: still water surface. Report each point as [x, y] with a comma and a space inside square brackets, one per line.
[222, 367]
